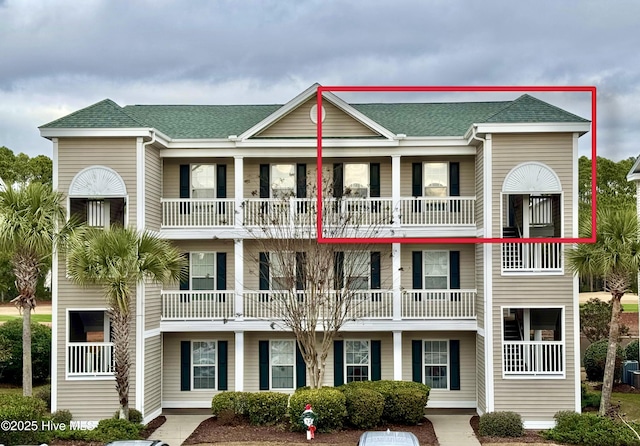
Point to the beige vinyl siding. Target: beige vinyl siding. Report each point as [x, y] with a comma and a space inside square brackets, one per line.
[467, 263]
[252, 370]
[171, 174]
[208, 246]
[480, 188]
[467, 173]
[152, 305]
[171, 367]
[90, 400]
[152, 374]
[153, 189]
[554, 150]
[467, 340]
[297, 123]
[480, 374]
[252, 251]
[119, 154]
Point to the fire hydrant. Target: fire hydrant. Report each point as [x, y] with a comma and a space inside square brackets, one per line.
[309, 418]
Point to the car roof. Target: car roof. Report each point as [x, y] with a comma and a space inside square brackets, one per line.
[384, 438]
[137, 443]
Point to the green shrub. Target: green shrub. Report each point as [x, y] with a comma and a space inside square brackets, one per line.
[237, 402]
[501, 424]
[44, 394]
[589, 399]
[40, 352]
[17, 408]
[267, 407]
[112, 430]
[328, 404]
[589, 429]
[135, 416]
[62, 416]
[404, 401]
[364, 407]
[631, 351]
[595, 358]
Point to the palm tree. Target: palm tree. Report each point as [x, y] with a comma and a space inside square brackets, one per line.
[118, 259]
[615, 256]
[32, 221]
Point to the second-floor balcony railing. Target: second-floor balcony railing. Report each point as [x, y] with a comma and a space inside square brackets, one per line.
[360, 212]
[365, 304]
[532, 357]
[90, 359]
[532, 257]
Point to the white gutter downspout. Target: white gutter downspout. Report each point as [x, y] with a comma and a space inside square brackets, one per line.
[489, 375]
[140, 288]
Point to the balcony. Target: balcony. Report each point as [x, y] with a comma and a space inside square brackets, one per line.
[410, 212]
[532, 257]
[90, 359]
[367, 304]
[522, 358]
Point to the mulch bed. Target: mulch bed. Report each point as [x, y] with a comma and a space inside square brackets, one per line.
[530, 436]
[214, 431]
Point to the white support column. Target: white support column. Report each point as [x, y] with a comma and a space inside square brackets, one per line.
[55, 357]
[395, 189]
[396, 251]
[238, 170]
[140, 287]
[238, 265]
[489, 374]
[397, 355]
[239, 363]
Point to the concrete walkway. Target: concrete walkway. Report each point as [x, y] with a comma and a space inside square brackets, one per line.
[453, 430]
[177, 428]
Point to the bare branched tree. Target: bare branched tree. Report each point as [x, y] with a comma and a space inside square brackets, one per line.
[313, 289]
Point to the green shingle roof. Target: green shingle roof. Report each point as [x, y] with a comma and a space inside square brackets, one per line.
[221, 121]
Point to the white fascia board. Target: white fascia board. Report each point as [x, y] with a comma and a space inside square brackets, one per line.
[205, 143]
[534, 127]
[634, 173]
[95, 133]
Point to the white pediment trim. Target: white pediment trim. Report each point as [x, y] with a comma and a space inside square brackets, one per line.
[97, 181]
[531, 177]
[312, 91]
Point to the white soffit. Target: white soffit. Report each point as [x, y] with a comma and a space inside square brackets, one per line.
[531, 177]
[97, 181]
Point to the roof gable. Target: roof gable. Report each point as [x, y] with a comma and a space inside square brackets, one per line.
[103, 114]
[527, 109]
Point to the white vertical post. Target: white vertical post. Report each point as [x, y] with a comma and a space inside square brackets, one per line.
[238, 170]
[395, 189]
[239, 361]
[238, 256]
[396, 277]
[397, 355]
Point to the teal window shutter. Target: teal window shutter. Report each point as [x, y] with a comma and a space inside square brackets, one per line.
[221, 271]
[184, 274]
[338, 184]
[454, 352]
[416, 361]
[264, 181]
[416, 267]
[185, 365]
[301, 369]
[454, 277]
[374, 180]
[454, 185]
[223, 347]
[221, 181]
[338, 270]
[376, 361]
[338, 363]
[263, 282]
[185, 181]
[263, 361]
[301, 180]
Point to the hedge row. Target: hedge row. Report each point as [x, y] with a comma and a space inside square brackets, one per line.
[589, 429]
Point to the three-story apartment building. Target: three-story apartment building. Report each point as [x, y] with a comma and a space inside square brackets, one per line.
[487, 326]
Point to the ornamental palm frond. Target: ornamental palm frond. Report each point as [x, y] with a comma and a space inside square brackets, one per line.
[32, 223]
[118, 259]
[615, 256]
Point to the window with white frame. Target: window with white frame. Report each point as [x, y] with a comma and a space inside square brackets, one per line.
[203, 267]
[282, 364]
[89, 350]
[436, 364]
[436, 179]
[357, 360]
[98, 212]
[357, 269]
[203, 180]
[436, 270]
[89, 326]
[283, 180]
[203, 362]
[282, 267]
[356, 179]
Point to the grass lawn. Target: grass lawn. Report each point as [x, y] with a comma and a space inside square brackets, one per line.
[630, 308]
[629, 404]
[7, 389]
[34, 317]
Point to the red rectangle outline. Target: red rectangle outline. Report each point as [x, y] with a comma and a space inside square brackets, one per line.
[460, 240]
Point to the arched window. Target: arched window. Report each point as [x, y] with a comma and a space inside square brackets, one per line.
[98, 196]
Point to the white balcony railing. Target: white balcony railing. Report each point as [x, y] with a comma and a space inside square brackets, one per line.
[365, 304]
[190, 305]
[439, 304]
[90, 359]
[197, 212]
[533, 357]
[428, 211]
[531, 257]
[276, 211]
[358, 212]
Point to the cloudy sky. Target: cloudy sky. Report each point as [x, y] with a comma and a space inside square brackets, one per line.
[60, 56]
